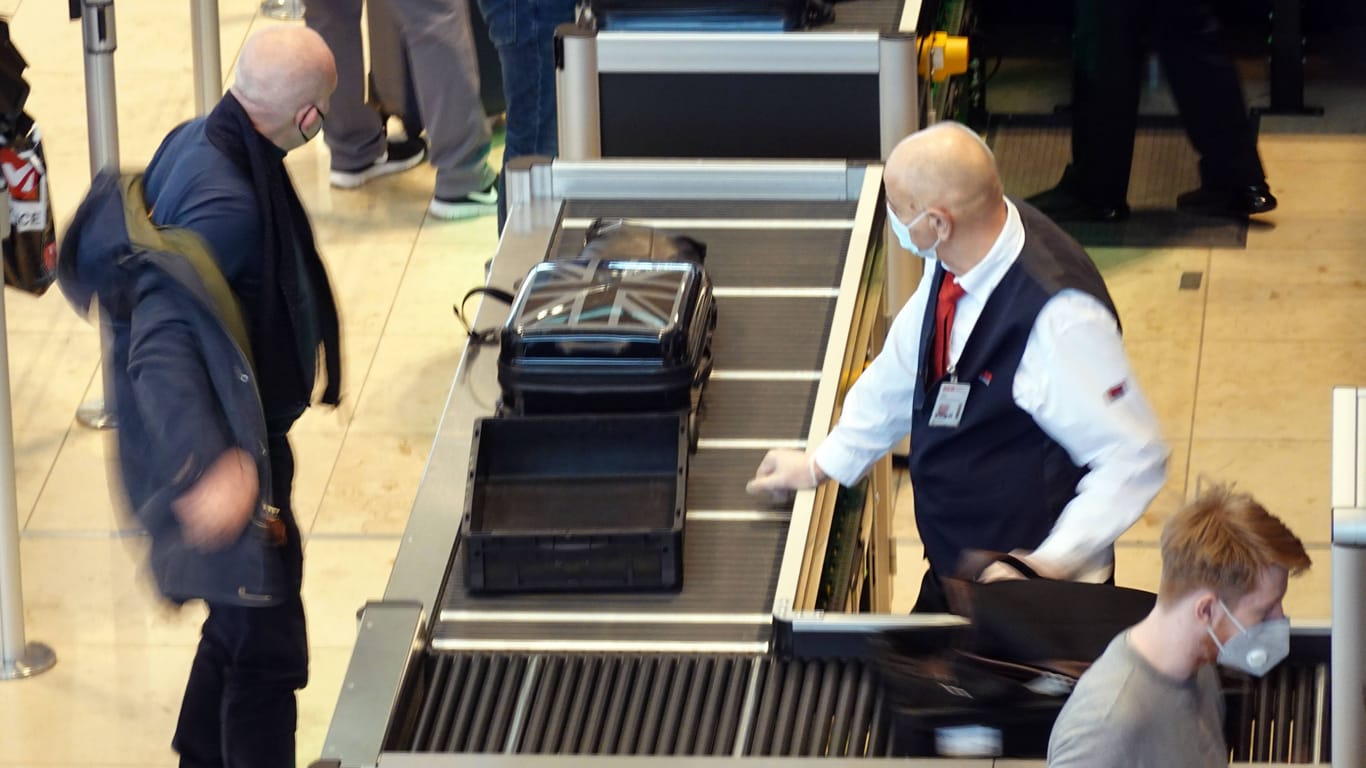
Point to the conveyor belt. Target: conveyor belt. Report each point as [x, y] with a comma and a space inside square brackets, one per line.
[776, 268]
[867, 14]
[631, 704]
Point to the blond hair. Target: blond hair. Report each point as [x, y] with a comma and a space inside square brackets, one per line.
[1222, 541]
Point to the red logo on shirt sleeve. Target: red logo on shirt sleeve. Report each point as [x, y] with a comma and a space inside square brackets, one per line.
[1116, 392]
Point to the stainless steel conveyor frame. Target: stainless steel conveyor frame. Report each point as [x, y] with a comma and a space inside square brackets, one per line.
[1349, 577]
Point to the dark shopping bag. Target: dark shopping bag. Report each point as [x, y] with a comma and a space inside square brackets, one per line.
[30, 251]
[1026, 644]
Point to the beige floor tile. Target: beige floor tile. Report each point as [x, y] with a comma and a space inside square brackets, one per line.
[1289, 478]
[910, 569]
[1333, 187]
[97, 591]
[1148, 528]
[49, 374]
[1167, 373]
[903, 509]
[1272, 390]
[315, 460]
[391, 205]
[1146, 288]
[374, 484]
[1322, 297]
[1308, 598]
[365, 279]
[340, 575]
[358, 352]
[446, 263]
[35, 452]
[78, 495]
[99, 703]
[408, 384]
[1138, 565]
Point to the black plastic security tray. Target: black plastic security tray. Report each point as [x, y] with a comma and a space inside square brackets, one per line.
[576, 503]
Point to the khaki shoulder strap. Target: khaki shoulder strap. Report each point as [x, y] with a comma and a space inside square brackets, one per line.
[189, 245]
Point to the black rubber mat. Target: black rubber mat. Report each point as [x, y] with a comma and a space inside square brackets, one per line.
[747, 328]
[1031, 152]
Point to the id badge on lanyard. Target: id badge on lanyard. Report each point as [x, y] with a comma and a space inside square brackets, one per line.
[948, 406]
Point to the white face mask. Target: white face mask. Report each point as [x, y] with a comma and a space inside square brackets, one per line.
[1256, 649]
[903, 235]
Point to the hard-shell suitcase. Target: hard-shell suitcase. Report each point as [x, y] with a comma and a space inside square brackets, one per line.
[626, 327]
[703, 15]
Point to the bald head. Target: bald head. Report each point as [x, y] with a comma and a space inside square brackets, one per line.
[947, 166]
[282, 72]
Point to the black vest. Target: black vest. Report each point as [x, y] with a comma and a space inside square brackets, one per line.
[996, 481]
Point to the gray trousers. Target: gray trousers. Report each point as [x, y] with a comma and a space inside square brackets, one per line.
[445, 77]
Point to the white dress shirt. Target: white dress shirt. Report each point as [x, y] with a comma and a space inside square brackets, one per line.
[1074, 380]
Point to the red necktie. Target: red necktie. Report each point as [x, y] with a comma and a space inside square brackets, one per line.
[949, 294]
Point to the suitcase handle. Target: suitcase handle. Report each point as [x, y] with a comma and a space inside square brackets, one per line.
[488, 335]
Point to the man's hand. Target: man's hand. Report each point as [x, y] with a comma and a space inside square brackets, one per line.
[784, 471]
[214, 511]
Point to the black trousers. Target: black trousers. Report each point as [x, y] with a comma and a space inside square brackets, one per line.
[1109, 42]
[239, 709]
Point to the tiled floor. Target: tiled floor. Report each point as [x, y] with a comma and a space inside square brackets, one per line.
[1239, 372]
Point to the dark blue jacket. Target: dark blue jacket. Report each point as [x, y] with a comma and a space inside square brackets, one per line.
[183, 390]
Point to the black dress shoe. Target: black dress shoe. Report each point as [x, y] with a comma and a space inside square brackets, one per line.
[1237, 203]
[1062, 204]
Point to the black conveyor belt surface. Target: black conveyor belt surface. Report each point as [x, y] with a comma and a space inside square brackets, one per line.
[746, 327]
[708, 209]
[728, 566]
[777, 272]
[882, 15]
[656, 704]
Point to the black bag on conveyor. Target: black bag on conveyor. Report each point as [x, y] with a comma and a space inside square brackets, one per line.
[624, 327]
[714, 15]
[995, 686]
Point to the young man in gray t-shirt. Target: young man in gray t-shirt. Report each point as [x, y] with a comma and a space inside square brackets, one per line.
[1153, 698]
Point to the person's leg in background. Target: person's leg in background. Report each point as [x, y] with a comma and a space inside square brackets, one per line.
[1205, 85]
[446, 78]
[353, 131]
[523, 31]
[391, 76]
[1107, 55]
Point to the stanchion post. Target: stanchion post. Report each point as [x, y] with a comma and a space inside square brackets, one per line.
[19, 658]
[208, 68]
[101, 106]
[1348, 665]
[102, 120]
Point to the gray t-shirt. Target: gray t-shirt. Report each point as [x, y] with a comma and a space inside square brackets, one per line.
[1126, 714]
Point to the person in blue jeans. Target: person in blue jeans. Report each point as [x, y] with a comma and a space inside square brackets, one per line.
[523, 31]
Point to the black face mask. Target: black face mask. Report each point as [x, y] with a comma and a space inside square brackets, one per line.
[317, 127]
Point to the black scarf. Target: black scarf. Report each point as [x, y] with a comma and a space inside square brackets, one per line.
[295, 311]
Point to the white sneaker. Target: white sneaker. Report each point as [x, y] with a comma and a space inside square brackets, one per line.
[479, 203]
[398, 156]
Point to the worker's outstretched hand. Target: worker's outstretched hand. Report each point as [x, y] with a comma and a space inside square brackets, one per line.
[784, 471]
[219, 505]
